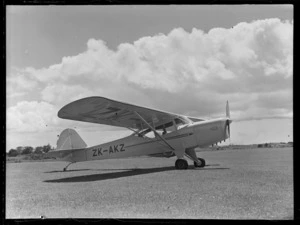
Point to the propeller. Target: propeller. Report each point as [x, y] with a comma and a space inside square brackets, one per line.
[228, 121]
[227, 125]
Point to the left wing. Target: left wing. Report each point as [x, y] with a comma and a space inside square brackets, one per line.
[110, 112]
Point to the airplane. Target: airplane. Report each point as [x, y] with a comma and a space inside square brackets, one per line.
[155, 133]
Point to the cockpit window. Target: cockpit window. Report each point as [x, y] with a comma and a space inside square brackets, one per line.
[161, 129]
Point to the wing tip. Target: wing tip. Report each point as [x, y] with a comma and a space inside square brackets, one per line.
[60, 114]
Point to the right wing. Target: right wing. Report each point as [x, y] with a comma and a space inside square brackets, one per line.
[110, 112]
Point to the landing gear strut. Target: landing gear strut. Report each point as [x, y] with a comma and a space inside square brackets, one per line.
[200, 164]
[65, 169]
[181, 164]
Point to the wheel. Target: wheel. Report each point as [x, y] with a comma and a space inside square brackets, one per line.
[201, 164]
[181, 164]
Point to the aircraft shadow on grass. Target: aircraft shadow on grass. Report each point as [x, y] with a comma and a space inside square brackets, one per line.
[60, 171]
[69, 170]
[114, 175]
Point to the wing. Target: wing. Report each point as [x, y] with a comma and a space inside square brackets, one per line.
[110, 112]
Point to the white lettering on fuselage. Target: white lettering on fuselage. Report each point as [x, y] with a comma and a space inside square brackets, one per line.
[110, 150]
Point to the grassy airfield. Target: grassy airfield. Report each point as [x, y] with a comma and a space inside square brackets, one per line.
[236, 184]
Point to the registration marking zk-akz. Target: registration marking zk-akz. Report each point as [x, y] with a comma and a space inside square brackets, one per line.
[111, 150]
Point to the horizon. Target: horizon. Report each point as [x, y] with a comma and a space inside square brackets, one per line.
[219, 145]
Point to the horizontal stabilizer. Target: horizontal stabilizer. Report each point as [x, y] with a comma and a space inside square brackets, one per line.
[62, 154]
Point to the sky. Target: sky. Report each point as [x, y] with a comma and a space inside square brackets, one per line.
[185, 59]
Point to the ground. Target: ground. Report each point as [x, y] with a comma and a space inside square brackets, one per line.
[235, 184]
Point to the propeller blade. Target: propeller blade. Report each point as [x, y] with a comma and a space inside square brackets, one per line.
[228, 121]
[228, 126]
[227, 110]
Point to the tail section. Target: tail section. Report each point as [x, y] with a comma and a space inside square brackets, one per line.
[70, 139]
[70, 147]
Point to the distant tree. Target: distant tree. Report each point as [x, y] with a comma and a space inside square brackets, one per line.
[46, 148]
[20, 150]
[266, 145]
[38, 150]
[12, 153]
[27, 150]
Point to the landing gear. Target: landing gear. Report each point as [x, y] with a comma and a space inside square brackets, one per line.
[65, 169]
[181, 164]
[200, 164]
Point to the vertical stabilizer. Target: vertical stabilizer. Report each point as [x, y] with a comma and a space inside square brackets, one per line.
[70, 139]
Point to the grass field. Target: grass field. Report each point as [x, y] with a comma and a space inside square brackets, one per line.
[236, 184]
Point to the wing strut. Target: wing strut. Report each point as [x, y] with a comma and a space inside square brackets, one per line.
[157, 134]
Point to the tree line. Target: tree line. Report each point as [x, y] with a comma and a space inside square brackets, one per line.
[25, 150]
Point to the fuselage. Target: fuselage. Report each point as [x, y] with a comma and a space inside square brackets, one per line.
[192, 135]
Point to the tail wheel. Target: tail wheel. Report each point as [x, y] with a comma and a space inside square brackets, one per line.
[181, 164]
[201, 164]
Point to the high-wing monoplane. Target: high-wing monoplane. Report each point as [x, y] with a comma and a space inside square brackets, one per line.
[155, 133]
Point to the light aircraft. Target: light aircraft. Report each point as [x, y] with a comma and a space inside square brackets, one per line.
[155, 133]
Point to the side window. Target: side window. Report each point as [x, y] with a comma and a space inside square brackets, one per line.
[165, 128]
[160, 132]
[162, 129]
[146, 133]
[150, 134]
[170, 128]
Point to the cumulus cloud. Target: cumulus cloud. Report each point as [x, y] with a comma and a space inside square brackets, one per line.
[18, 81]
[251, 65]
[30, 116]
[61, 94]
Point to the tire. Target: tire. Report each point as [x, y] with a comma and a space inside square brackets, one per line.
[181, 164]
[202, 163]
